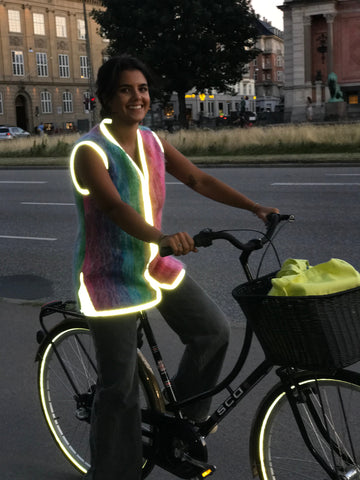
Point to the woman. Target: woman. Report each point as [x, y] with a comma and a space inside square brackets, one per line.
[118, 172]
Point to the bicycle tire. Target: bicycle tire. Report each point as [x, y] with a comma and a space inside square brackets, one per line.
[277, 449]
[59, 388]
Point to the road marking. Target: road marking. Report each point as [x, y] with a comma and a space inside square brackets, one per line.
[342, 174]
[21, 181]
[46, 203]
[13, 237]
[314, 184]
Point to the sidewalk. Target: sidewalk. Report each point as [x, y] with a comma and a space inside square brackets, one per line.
[226, 160]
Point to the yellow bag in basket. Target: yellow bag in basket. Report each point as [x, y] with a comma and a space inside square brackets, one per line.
[298, 278]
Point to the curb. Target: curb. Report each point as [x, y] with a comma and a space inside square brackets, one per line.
[352, 159]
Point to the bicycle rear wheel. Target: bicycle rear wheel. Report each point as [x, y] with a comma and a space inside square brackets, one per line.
[329, 408]
[67, 381]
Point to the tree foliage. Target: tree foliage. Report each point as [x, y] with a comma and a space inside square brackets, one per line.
[200, 44]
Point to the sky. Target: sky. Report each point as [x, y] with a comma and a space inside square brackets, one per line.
[267, 9]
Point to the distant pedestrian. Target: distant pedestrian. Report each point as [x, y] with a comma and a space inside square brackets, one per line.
[40, 129]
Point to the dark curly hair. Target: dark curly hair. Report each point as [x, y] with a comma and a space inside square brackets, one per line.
[107, 81]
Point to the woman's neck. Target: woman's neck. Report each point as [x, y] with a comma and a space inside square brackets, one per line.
[126, 136]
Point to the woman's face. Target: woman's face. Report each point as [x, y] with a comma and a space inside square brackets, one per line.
[132, 100]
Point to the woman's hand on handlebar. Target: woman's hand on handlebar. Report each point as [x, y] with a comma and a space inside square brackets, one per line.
[262, 212]
[181, 243]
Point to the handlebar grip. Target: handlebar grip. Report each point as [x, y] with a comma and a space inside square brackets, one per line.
[165, 251]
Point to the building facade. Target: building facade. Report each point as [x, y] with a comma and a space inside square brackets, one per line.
[47, 64]
[321, 37]
[268, 68]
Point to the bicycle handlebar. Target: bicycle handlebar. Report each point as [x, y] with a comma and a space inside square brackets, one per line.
[206, 237]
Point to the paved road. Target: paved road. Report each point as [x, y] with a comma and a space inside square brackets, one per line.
[36, 233]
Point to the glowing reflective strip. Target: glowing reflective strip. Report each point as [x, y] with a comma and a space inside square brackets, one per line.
[158, 141]
[266, 418]
[88, 308]
[42, 396]
[177, 281]
[85, 191]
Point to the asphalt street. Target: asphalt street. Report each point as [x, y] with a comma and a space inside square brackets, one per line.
[37, 229]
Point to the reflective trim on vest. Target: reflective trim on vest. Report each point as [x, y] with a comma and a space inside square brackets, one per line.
[99, 150]
[176, 282]
[88, 309]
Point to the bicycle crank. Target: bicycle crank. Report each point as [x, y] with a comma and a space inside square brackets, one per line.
[182, 451]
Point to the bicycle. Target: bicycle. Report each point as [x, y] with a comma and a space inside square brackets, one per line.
[306, 426]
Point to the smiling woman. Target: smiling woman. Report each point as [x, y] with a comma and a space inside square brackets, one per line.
[118, 173]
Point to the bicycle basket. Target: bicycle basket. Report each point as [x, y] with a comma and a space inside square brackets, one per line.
[313, 332]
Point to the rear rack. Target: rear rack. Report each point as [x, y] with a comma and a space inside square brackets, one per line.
[67, 309]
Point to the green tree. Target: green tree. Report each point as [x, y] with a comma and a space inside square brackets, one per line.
[200, 44]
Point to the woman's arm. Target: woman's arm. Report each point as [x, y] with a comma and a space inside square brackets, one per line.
[185, 171]
[92, 174]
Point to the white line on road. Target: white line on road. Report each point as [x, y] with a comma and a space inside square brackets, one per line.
[13, 237]
[313, 184]
[20, 181]
[46, 203]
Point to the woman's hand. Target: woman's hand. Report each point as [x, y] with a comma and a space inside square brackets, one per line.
[181, 243]
[262, 212]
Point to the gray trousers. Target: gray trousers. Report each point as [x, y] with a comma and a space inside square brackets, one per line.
[115, 437]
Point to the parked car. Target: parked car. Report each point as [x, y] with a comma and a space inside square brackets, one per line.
[250, 116]
[8, 133]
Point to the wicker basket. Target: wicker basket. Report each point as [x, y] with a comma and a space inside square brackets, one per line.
[312, 332]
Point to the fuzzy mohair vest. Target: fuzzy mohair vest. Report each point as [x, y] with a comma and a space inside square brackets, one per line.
[115, 273]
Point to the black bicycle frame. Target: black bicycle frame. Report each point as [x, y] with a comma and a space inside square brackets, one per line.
[236, 394]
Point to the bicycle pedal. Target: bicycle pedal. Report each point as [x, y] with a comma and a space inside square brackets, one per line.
[206, 468]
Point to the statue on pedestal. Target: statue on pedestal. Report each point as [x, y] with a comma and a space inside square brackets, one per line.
[336, 94]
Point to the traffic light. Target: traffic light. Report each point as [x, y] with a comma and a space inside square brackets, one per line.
[92, 103]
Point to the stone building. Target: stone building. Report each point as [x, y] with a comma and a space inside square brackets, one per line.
[46, 63]
[321, 37]
[268, 68]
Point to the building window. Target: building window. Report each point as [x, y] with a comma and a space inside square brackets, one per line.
[279, 61]
[42, 64]
[39, 24]
[211, 108]
[84, 67]
[81, 29]
[60, 26]
[14, 21]
[45, 100]
[279, 76]
[64, 70]
[67, 102]
[1, 104]
[17, 59]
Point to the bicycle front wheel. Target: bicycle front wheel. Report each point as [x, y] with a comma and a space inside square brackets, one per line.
[67, 378]
[329, 409]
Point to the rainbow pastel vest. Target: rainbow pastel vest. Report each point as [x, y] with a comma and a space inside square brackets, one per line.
[114, 273]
